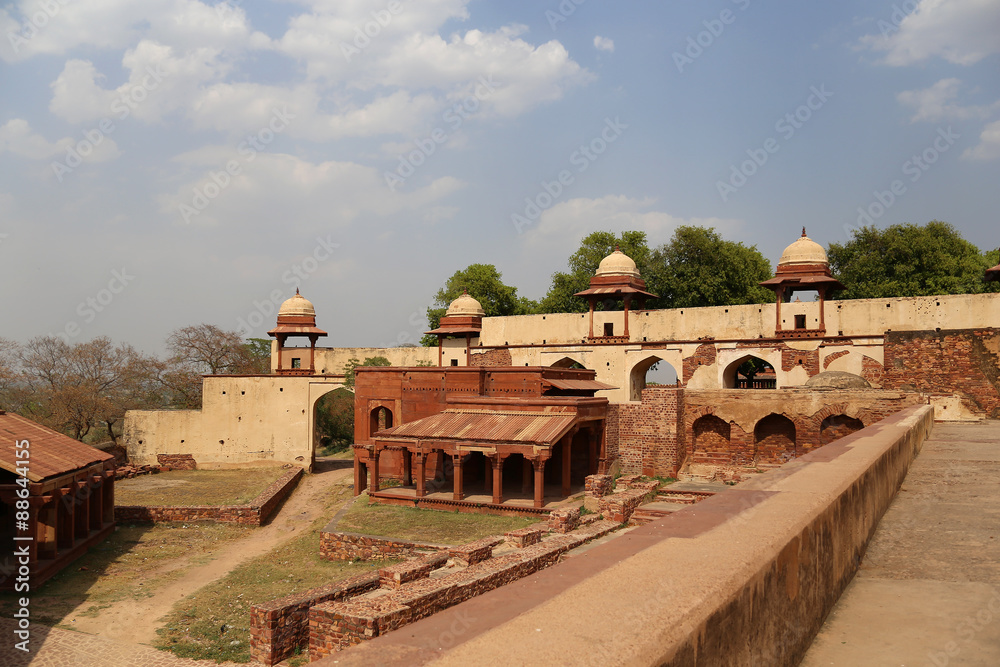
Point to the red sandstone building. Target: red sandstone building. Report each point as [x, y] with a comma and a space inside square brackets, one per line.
[70, 496]
[497, 439]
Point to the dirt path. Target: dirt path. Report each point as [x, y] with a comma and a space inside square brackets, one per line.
[136, 621]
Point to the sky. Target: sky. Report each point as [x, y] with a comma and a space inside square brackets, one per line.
[171, 162]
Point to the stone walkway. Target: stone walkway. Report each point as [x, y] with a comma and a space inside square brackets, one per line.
[52, 647]
[928, 591]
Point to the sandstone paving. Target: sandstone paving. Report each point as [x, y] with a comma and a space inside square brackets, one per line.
[928, 590]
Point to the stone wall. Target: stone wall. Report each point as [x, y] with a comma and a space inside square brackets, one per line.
[963, 362]
[255, 514]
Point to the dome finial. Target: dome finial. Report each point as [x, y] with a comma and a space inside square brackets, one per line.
[297, 292]
[803, 230]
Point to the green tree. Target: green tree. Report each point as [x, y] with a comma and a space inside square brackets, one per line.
[909, 260]
[353, 363]
[335, 421]
[700, 268]
[583, 265]
[484, 283]
[256, 356]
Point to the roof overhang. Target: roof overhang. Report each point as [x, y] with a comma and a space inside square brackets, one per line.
[485, 427]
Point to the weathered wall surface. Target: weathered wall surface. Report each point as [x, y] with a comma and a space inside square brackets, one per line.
[705, 345]
[738, 428]
[243, 419]
[964, 364]
[854, 317]
[331, 360]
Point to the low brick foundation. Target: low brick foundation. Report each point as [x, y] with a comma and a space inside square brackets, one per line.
[525, 537]
[598, 486]
[280, 626]
[255, 514]
[129, 471]
[620, 505]
[334, 626]
[475, 552]
[177, 461]
[334, 545]
[395, 576]
[564, 520]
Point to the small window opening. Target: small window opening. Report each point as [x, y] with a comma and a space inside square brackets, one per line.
[800, 321]
[454, 362]
[296, 362]
[609, 329]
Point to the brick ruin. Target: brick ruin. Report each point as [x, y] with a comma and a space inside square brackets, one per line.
[334, 617]
[255, 513]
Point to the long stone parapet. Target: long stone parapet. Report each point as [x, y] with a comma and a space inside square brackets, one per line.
[745, 577]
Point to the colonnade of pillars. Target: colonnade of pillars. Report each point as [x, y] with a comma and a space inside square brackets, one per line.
[60, 519]
[532, 475]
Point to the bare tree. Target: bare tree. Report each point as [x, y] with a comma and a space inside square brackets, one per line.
[77, 388]
[206, 349]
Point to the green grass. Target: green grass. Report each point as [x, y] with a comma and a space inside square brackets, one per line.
[179, 488]
[434, 526]
[132, 563]
[193, 627]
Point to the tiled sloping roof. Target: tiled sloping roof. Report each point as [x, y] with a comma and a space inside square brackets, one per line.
[487, 425]
[578, 385]
[51, 453]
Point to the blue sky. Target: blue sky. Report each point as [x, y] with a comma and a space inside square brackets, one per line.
[365, 150]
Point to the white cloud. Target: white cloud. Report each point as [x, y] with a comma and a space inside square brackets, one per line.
[604, 44]
[159, 83]
[277, 186]
[114, 24]
[575, 218]
[962, 32]
[938, 103]
[988, 147]
[17, 137]
[404, 76]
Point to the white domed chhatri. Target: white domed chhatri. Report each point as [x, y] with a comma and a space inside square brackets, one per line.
[297, 306]
[465, 306]
[617, 264]
[803, 251]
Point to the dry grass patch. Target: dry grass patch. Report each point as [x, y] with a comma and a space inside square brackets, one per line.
[131, 564]
[180, 488]
[214, 623]
[421, 525]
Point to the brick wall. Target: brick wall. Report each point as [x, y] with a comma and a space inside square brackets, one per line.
[334, 545]
[334, 626]
[646, 433]
[490, 358]
[963, 362]
[703, 356]
[176, 461]
[764, 442]
[830, 358]
[254, 514]
[807, 359]
[280, 626]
